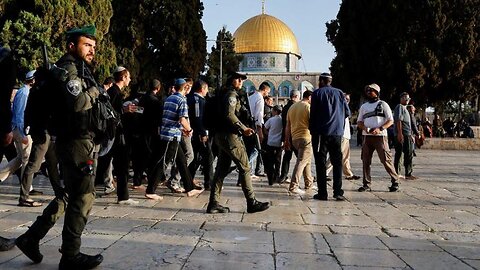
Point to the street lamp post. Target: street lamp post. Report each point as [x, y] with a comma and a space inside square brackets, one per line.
[220, 76]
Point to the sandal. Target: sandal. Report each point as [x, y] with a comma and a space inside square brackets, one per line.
[29, 204]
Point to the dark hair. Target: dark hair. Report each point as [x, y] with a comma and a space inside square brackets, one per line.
[189, 80]
[119, 75]
[74, 38]
[108, 80]
[263, 85]
[198, 85]
[307, 94]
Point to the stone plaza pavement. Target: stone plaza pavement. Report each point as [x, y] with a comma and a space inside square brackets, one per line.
[432, 223]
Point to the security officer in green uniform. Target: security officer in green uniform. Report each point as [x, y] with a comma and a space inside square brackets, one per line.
[77, 90]
[228, 139]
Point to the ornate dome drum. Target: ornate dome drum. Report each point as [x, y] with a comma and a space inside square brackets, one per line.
[267, 44]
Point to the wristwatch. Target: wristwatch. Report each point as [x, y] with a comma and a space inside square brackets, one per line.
[381, 128]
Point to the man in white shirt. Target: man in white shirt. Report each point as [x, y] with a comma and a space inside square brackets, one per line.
[256, 103]
[374, 117]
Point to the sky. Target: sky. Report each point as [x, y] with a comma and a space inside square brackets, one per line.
[306, 18]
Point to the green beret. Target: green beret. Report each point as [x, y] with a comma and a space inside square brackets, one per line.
[88, 30]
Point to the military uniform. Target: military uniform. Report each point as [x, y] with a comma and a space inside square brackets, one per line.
[228, 139]
[76, 152]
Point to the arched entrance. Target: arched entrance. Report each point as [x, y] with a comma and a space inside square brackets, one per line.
[249, 86]
[285, 88]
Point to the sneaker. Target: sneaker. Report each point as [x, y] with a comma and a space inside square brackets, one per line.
[320, 198]
[393, 188]
[175, 188]
[353, 177]
[254, 206]
[260, 174]
[194, 192]
[29, 247]
[297, 191]
[154, 197]
[254, 177]
[313, 187]
[6, 244]
[339, 197]
[364, 188]
[109, 190]
[216, 208]
[410, 177]
[128, 202]
[80, 261]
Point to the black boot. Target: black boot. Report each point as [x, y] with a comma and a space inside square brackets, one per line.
[6, 244]
[216, 208]
[254, 206]
[30, 247]
[80, 261]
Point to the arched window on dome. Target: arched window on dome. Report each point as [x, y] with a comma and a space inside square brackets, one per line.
[305, 85]
[284, 88]
[249, 86]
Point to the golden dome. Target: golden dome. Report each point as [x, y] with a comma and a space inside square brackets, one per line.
[265, 33]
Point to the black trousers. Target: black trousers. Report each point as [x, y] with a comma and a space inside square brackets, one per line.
[202, 155]
[273, 158]
[323, 144]
[164, 154]
[120, 153]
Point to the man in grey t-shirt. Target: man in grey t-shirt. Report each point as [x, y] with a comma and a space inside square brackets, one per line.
[403, 137]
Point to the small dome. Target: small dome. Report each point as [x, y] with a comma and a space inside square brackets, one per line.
[265, 33]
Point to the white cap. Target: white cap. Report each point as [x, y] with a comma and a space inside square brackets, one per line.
[30, 75]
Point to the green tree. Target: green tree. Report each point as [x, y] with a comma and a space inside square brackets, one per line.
[230, 59]
[427, 47]
[51, 18]
[159, 39]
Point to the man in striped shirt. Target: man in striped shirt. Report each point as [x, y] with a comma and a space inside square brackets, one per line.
[174, 123]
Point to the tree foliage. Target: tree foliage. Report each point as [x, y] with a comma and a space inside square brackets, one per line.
[28, 24]
[159, 39]
[230, 59]
[429, 48]
[152, 38]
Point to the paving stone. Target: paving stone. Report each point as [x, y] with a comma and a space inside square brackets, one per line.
[112, 226]
[354, 241]
[305, 261]
[150, 249]
[351, 220]
[372, 231]
[368, 257]
[431, 260]
[473, 263]
[433, 223]
[461, 250]
[277, 227]
[409, 244]
[294, 242]
[203, 259]
[234, 226]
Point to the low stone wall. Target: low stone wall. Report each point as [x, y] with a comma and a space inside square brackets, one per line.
[452, 143]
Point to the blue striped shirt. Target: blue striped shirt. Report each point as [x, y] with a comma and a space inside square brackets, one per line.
[175, 107]
[18, 108]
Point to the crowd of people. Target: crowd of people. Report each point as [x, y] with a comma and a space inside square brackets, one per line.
[186, 130]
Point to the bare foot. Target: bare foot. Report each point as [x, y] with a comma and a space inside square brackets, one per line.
[154, 197]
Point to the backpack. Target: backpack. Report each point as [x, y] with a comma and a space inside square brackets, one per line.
[103, 118]
[212, 113]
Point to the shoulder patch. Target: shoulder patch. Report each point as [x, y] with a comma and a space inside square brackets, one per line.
[232, 101]
[74, 87]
